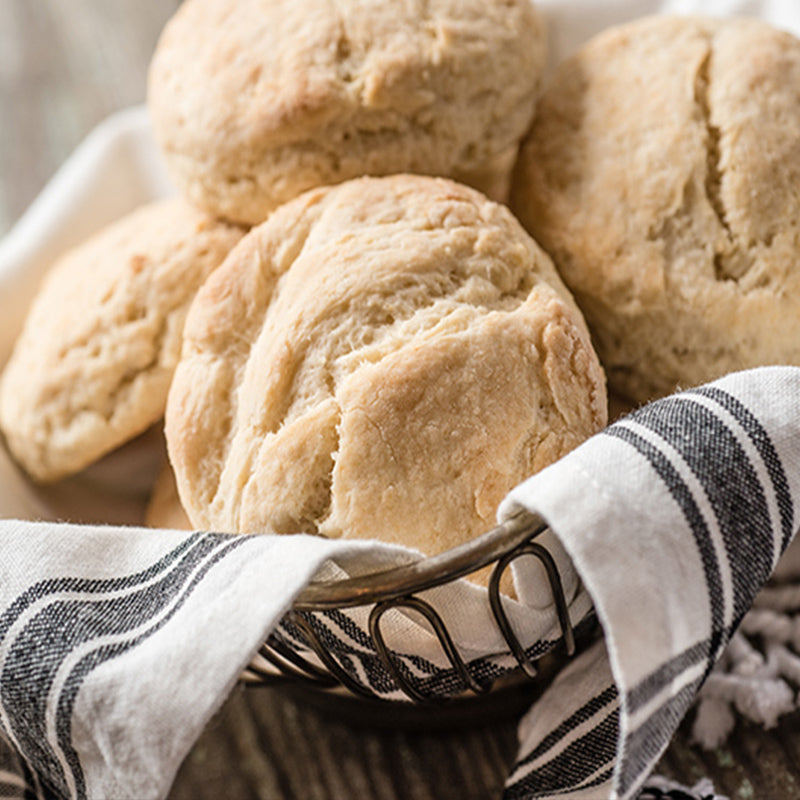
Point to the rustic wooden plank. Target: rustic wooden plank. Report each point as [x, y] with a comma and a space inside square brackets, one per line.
[286, 749]
[302, 753]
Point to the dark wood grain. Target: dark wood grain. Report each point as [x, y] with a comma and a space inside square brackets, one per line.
[265, 743]
[64, 66]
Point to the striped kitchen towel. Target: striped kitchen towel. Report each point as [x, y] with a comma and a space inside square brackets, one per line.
[674, 518]
[117, 645]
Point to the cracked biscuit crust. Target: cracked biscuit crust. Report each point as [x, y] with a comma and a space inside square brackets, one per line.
[256, 101]
[383, 359]
[662, 174]
[93, 364]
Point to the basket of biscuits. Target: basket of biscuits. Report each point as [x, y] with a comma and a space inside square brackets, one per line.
[400, 266]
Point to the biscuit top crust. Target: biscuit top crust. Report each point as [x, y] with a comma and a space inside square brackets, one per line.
[256, 101]
[381, 359]
[662, 174]
[92, 366]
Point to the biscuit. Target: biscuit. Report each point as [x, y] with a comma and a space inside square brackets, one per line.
[255, 101]
[385, 359]
[164, 509]
[662, 174]
[94, 361]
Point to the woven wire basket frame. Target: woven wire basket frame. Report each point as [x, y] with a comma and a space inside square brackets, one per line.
[399, 587]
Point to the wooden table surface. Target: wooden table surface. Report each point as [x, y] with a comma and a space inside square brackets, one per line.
[64, 66]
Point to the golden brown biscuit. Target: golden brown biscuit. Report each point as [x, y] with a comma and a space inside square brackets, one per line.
[256, 101]
[93, 364]
[662, 174]
[164, 509]
[381, 359]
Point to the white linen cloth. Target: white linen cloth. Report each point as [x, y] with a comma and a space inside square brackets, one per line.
[673, 519]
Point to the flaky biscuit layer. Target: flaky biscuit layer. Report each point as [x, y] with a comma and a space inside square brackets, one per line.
[255, 101]
[662, 173]
[92, 366]
[385, 358]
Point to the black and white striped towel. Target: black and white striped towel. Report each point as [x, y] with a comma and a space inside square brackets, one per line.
[674, 518]
[117, 645]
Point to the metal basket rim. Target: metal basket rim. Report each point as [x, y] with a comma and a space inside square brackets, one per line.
[426, 573]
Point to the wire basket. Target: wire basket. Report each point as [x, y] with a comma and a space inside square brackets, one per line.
[400, 588]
